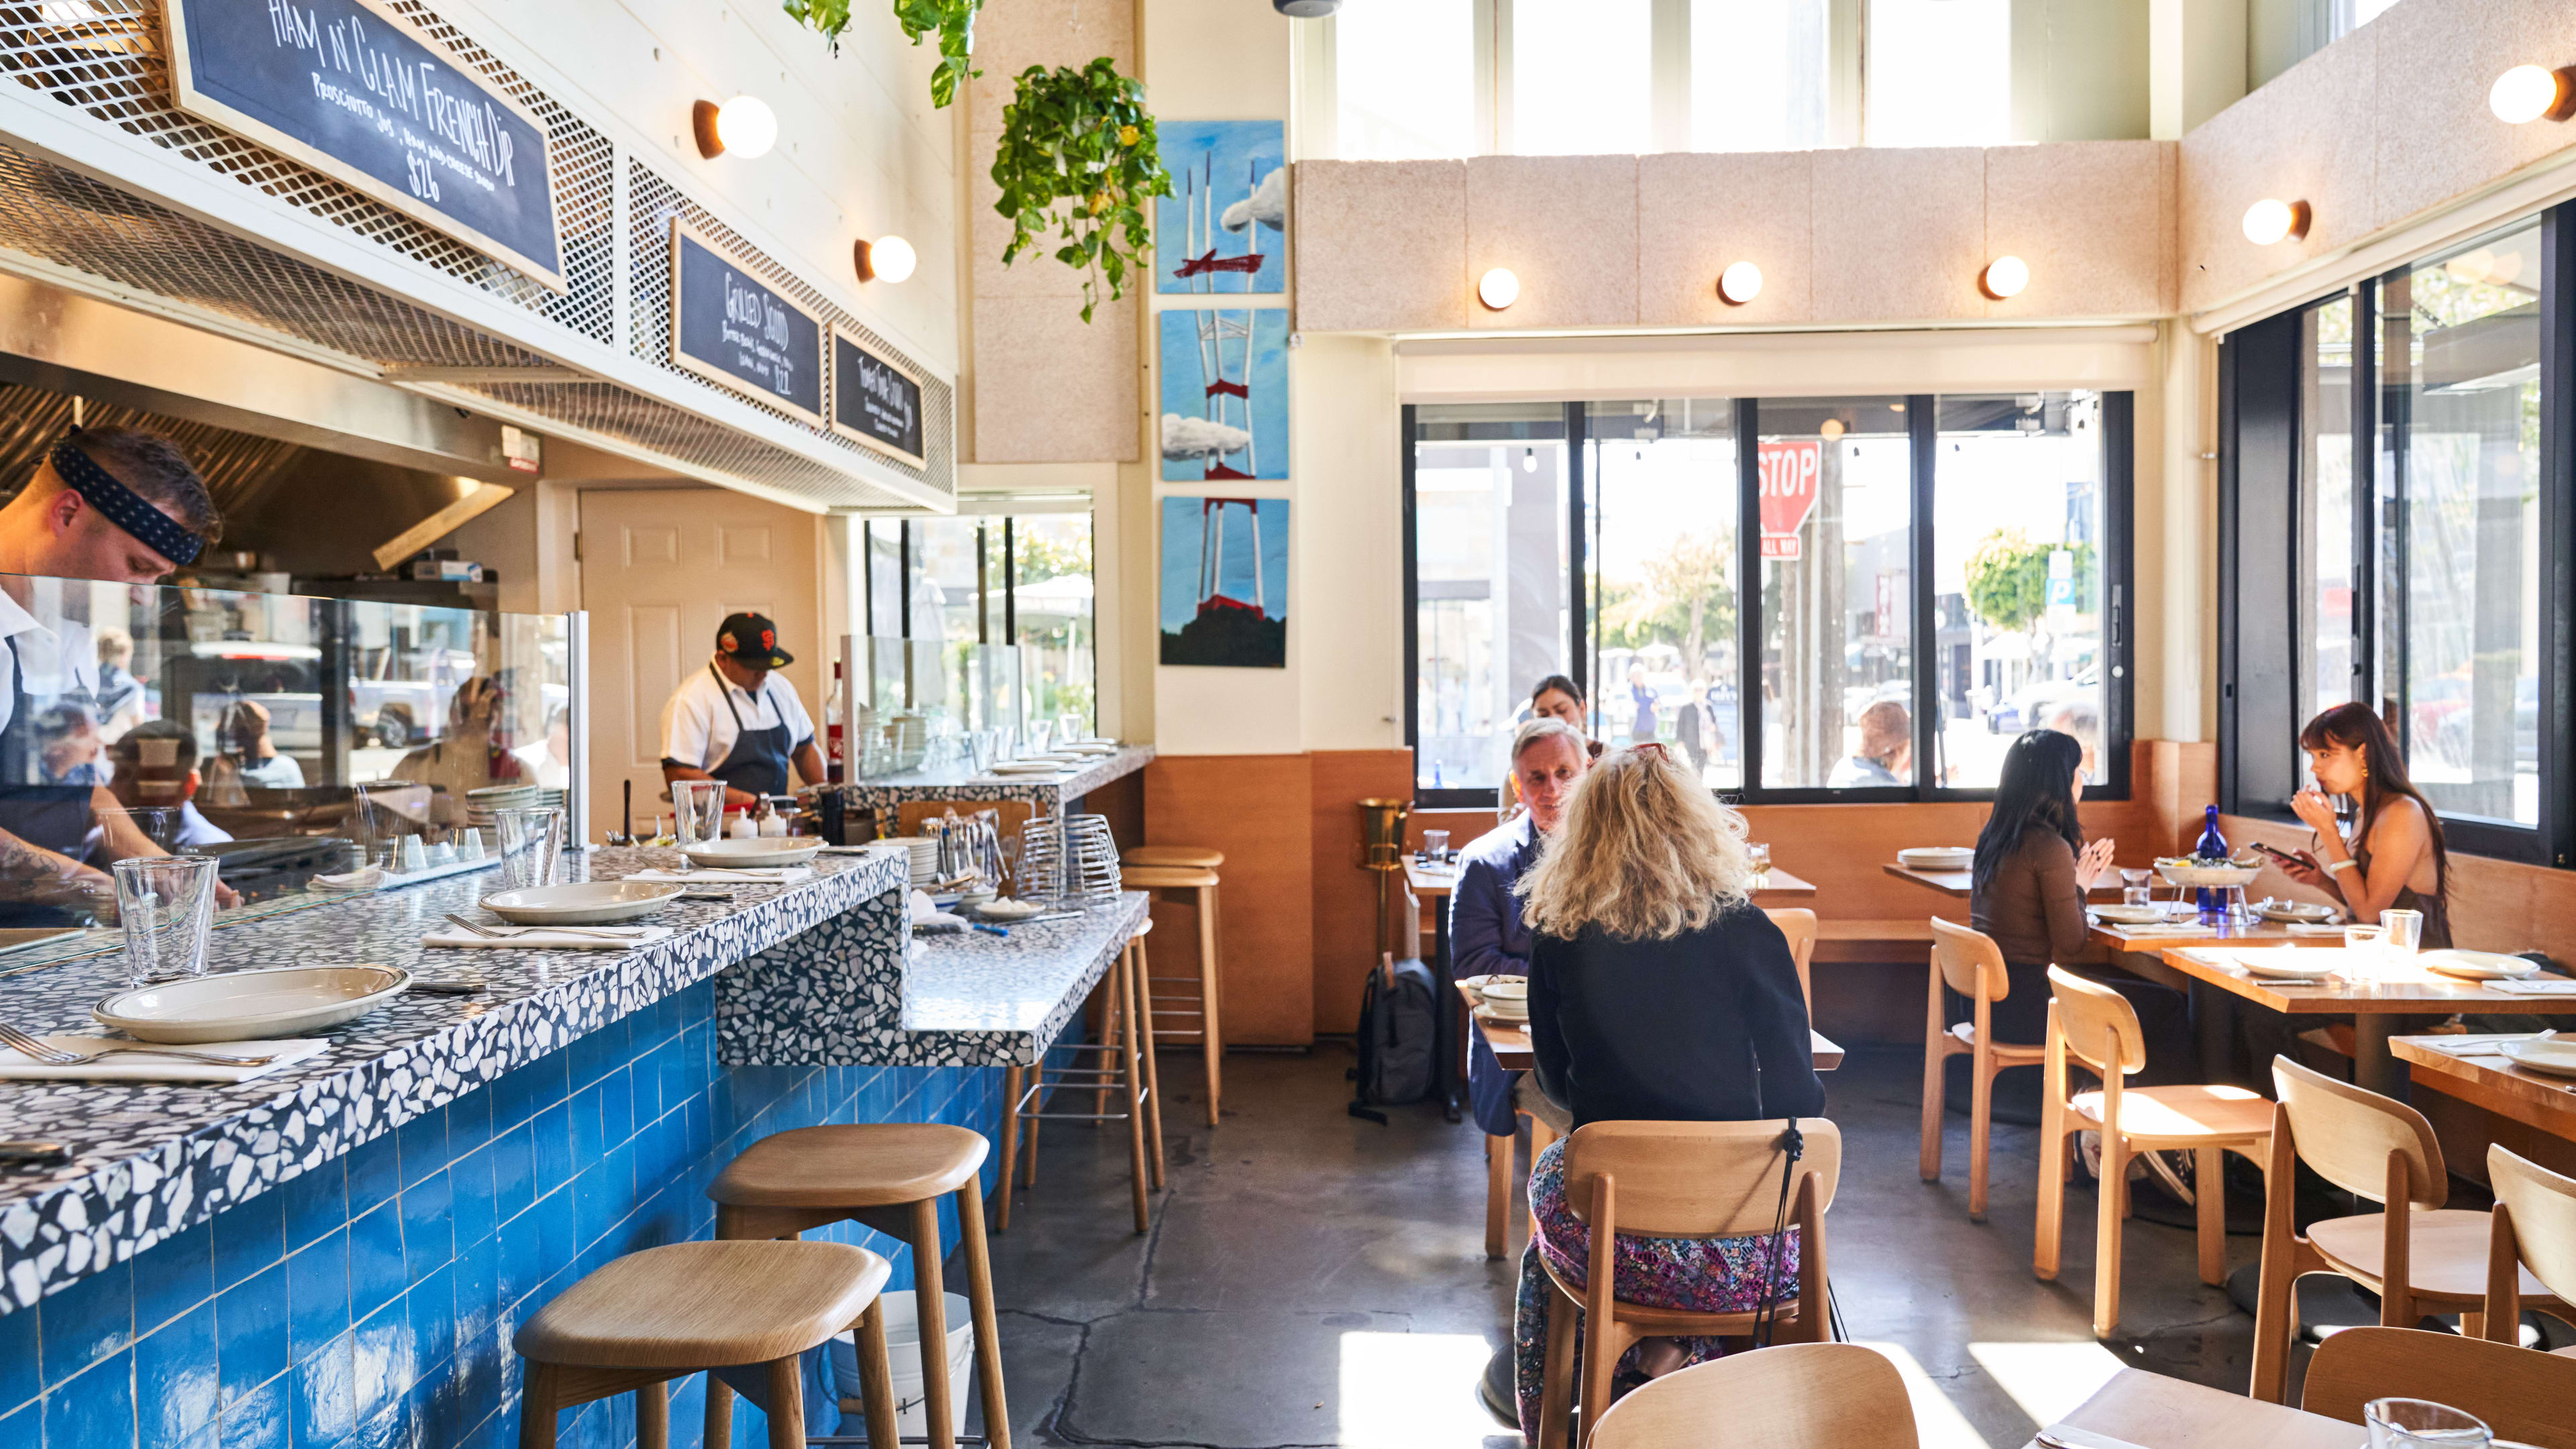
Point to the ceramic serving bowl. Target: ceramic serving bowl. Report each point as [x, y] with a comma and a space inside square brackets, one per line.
[586, 903]
[759, 853]
[251, 1005]
[2184, 873]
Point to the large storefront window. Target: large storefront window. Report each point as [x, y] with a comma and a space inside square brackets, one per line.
[1663, 611]
[969, 579]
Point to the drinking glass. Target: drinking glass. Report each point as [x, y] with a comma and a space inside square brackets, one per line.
[697, 811]
[1068, 728]
[1435, 844]
[155, 823]
[167, 904]
[1761, 858]
[531, 841]
[2422, 1424]
[2364, 943]
[1040, 731]
[2405, 931]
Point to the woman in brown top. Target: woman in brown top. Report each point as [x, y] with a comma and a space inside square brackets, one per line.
[2394, 859]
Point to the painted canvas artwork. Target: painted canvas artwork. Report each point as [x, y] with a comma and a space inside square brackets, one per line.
[1225, 582]
[1224, 228]
[1225, 394]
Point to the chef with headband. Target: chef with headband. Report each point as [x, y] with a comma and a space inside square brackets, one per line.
[116, 505]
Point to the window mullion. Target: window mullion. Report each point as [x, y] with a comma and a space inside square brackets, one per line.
[1921, 426]
[1748, 594]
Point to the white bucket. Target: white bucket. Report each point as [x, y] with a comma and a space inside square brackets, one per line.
[903, 1355]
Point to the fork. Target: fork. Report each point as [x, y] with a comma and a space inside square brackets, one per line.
[512, 932]
[53, 1056]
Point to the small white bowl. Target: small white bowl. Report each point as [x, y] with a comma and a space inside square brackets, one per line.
[252, 1005]
[758, 853]
[583, 903]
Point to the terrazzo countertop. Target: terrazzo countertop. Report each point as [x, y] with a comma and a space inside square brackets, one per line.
[150, 1160]
[959, 783]
[1026, 985]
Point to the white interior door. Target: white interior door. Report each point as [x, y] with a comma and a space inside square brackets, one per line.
[660, 568]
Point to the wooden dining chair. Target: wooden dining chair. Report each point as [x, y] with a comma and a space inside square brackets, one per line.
[2417, 1255]
[2531, 1232]
[1794, 1396]
[1969, 963]
[1679, 1180]
[2094, 1026]
[1799, 925]
[2525, 1397]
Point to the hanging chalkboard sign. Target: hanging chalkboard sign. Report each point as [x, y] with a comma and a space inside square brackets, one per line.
[875, 398]
[361, 94]
[730, 328]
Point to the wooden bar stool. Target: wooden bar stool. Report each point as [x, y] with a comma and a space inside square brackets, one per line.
[1127, 1040]
[1972, 965]
[888, 1176]
[743, 1310]
[1188, 868]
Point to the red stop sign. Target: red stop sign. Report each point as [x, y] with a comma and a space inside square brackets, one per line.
[1789, 472]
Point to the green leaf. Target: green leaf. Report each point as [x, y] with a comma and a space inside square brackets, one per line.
[1077, 156]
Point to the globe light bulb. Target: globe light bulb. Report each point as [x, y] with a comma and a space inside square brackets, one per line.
[2271, 220]
[887, 259]
[2526, 93]
[1498, 289]
[1740, 283]
[2004, 277]
[747, 126]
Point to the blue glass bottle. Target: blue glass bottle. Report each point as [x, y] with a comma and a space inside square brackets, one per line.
[2211, 846]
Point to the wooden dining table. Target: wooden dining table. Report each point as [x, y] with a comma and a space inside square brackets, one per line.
[2470, 1069]
[1511, 1042]
[1955, 883]
[2156, 1411]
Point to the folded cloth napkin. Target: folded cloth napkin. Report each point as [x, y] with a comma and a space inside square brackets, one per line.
[928, 918]
[364, 879]
[2483, 1044]
[2545, 986]
[777, 875]
[132, 1061]
[533, 938]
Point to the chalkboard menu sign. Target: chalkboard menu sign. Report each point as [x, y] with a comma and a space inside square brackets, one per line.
[729, 328]
[360, 94]
[875, 398]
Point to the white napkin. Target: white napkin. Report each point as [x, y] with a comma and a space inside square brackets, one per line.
[776, 875]
[132, 1062]
[927, 917]
[2320, 928]
[536, 939]
[2552, 986]
[365, 878]
[2151, 928]
[2484, 1045]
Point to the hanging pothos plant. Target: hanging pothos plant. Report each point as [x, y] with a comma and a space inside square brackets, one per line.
[1078, 153]
[954, 20]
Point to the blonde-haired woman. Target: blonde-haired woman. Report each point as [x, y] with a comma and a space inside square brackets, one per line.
[1657, 992]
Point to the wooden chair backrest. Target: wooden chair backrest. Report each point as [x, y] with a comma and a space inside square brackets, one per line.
[1698, 1179]
[2346, 1134]
[1799, 925]
[2090, 1013]
[1790, 1396]
[2543, 1204]
[2522, 1395]
[1968, 957]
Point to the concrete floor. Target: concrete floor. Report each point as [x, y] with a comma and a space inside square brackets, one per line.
[1315, 1279]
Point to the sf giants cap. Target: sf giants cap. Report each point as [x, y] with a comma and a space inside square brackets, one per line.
[751, 641]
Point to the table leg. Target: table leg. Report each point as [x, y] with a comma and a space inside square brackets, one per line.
[2374, 1067]
[2213, 1023]
[1452, 1056]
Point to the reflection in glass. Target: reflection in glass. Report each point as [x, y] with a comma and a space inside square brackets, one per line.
[2325, 586]
[1491, 561]
[1663, 551]
[2017, 578]
[1837, 514]
[1051, 599]
[2461, 389]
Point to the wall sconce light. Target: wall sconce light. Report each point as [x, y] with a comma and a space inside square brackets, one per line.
[887, 259]
[745, 126]
[2529, 92]
[2269, 220]
[2004, 277]
[1498, 289]
[1740, 283]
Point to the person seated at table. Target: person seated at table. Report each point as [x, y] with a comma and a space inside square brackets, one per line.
[156, 769]
[1555, 697]
[2394, 858]
[1658, 992]
[1486, 936]
[1886, 753]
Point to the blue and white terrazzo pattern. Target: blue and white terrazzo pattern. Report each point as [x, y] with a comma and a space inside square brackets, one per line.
[1048, 792]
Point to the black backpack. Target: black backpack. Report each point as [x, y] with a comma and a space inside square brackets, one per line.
[1398, 1037]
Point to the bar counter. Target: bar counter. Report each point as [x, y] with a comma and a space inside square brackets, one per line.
[338, 1253]
[1049, 793]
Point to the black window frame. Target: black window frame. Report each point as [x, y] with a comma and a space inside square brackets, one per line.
[2262, 368]
[2119, 478]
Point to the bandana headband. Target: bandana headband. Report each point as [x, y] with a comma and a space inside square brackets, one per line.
[123, 506]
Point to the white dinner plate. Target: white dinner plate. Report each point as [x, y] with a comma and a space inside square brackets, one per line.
[758, 853]
[2477, 965]
[2556, 1056]
[1937, 857]
[2298, 914]
[1031, 767]
[252, 1005]
[2130, 915]
[1501, 990]
[583, 903]
[1008, 908]
[2302, 964]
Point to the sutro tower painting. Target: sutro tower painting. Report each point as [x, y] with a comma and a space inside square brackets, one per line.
[1225, 394]
[1224, 228]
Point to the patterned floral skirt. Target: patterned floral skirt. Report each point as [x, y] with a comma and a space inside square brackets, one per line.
[1714, 1275]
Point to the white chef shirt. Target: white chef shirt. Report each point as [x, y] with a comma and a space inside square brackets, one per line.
[698, 731]
[60, 655]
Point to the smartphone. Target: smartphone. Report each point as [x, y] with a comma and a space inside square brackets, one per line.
[2278, 854]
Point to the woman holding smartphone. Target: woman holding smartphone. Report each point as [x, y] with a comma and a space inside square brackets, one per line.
[2394, 857]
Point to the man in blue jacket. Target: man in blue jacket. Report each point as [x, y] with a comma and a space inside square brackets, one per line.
[1486, 937]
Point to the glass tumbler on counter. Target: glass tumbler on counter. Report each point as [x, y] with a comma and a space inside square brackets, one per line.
[698, 811]
[2364, 943]
[2422, 1424]
[167, 905]
[1761, 858]
[531, 842]
[2405, 931]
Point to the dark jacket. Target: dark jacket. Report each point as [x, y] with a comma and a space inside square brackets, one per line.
[1709, 1026]
[1486, 938]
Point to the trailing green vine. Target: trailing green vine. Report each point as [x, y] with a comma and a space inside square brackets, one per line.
[954, 20]
[1078, 153]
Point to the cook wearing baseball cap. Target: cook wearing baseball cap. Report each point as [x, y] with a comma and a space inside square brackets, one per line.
[738, 722]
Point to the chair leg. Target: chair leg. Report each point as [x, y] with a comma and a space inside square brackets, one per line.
[652, 1418]
[718, 1433]
[1498, 1192]
[1130, 1075]
[1556, 1381]
[1933, 1056]
[1014, 1082]
[786, 1406]
[1602, 1345]
[988, 1332]
[1981, 1125]
[537, 1408]
[2273, 1300]
[2209, 1193]
[1211, 1036]
[1143, 990]
[2049, 1233]
[930, 1302]
[2502, 1314]
[876, 1380]
[2106, 1233]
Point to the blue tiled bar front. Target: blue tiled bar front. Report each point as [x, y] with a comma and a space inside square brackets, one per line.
[369, 1297]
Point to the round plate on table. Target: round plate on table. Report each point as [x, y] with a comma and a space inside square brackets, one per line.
[1937, 857]
[1031, 767]
[2294, 965]
[2477, 965]
[2296, 913]
[755, 853]
[2130, 915]
[1008, 908]
[582, 903]
[2557, 1056]
[251, 1005]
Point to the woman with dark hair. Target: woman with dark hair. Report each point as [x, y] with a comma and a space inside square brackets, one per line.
[1555, 697]
[2394, 858]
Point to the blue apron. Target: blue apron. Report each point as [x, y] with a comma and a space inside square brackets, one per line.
[757, 763]
[54, 817]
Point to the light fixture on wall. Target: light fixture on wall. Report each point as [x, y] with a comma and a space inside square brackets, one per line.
[1529, 460]
[1740, 283]
[2004, 277]
[2271, 220]
[1830, 428]
[1498, 289]
[744, 126]
[2530, 92]
[887, 259]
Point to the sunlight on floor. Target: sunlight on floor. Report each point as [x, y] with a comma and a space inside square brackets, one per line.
[2048, 1380]
[1414, 1391]
[1938, 1424]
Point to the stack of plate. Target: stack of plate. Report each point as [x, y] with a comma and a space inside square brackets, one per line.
[1505, 1000]
[1937, 857]
[925, 857]
[479, 804]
